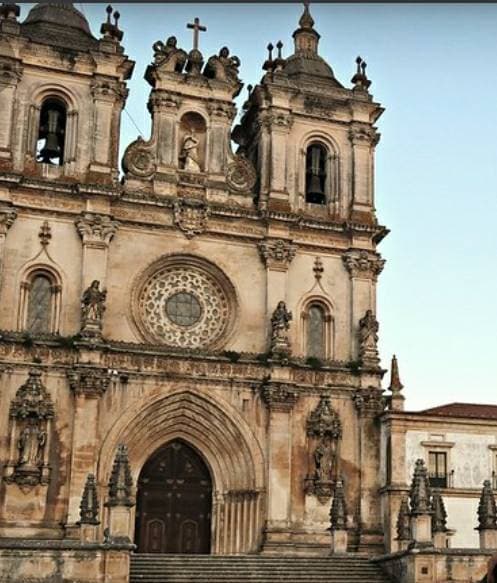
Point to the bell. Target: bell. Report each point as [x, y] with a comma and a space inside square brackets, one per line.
[52, 148]
[315, 185]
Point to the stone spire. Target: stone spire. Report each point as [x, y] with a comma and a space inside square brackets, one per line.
[121, 482]
[89, 506]
[403, 521]
[487, 514]
[305, 37]
[338, 512]
[396, 399]
[439, 517]
[420, 490]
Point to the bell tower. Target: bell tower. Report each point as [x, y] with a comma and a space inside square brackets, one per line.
[61, 94]
[312, 139]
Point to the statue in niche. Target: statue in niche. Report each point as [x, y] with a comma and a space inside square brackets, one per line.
[280, 324]
[189, 157]
[93, 302]
[168, 57]
[324, 461]
[31, 445]
[368, 339]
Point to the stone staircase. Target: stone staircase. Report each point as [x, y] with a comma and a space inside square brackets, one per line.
[254, 569]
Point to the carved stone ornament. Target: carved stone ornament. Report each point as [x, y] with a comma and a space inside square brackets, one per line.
[31, 413]
[338, 511]
[90, 382]
[190, 215]
[279, 396]
[277, 253]
[363, 134]
[324, 429]
[139, 159]
[439, 516]
[224, 67]
[363, 264]
[368, 340]
[107, 89]
[280, 324]
[168, 57]
[369, 402]
[404, 521]
[45, 234]
[121, 482]
[419, 494]
[241, 175]
[7, 218]
[92, 310]
[487, 513]
[96, 230]
[89, 506]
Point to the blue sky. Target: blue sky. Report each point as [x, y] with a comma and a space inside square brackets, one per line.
[433, 69]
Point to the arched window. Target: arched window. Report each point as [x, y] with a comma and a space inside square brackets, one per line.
[52, 132]
[39, 303]
[315, 174]
[316, 332]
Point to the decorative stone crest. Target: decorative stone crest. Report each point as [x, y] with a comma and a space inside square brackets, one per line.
[279, 396]
[190, 215]
[419, 494]
[45, 234]
[487, 512]
[404, 521]
[89, 506]
[338, 511]
[92, 310]
[121, 482]
[280, 324]
[31, 413]
[439, 516]
[7, 218]
[139, 159]
[90, 382]
[363, 264]
[324, 428]
[368, 340]
[318, 269]
[241, 175]
[277, 253]
[369, 402]
[96, 230]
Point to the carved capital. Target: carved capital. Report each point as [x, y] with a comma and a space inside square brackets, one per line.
[279, 396]
[7, 218]
[221, 110]
[369, 402]
[363, 264]
[90, 382]
[96, 230]
[10, 72]
[163, 101]
[108, 89]
[277, 253]
[190, 216]
[362, 134]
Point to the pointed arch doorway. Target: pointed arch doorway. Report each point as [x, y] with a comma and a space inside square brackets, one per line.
[174, 502]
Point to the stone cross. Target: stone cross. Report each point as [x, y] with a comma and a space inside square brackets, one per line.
[197, 27]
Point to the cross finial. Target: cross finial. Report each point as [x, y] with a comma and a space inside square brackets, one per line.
[197, 27]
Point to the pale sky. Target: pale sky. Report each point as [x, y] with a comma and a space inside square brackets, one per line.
[433, 68]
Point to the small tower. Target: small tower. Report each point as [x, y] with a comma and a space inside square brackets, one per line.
[62, 98]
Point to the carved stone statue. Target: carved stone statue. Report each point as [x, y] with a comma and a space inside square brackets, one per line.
[324, 459]
[93, 302]
[189, 156]
[31, 444]
[280, 324]
[368, 339]
[224, 68]
[168, 57]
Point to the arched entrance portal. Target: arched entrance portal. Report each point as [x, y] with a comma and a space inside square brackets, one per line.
[174, 502]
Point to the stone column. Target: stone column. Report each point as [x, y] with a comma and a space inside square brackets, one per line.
[87, 384]
[280, 123]
[164, 108]
[10, 77]
[363, 138]
[487, 517]
[221, 117]
[280, 396]
[364, 267]
[121, 499]
[421, 511]
[96, 232]
[7, 217]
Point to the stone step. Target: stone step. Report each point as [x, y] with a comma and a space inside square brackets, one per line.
[253, 569]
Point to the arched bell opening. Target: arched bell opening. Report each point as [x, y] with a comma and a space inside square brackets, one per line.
[174, 502]
[52, 132]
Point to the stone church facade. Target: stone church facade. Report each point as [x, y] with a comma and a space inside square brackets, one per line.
[188, 352]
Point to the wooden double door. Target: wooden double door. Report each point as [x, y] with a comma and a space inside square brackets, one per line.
[174, 502]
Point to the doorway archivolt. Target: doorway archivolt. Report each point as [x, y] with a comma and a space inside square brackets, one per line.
[226, 443]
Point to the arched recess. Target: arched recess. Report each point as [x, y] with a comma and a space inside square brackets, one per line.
[332, 169]
[326, 308]
[229, 448]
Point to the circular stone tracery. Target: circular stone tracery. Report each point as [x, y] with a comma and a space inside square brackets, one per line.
[184, 305]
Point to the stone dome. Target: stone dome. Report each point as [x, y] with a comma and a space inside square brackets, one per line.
[59, 13]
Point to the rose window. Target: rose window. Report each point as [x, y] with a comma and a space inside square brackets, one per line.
[184, 306]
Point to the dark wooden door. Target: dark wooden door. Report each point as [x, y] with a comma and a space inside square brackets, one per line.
[174, 502]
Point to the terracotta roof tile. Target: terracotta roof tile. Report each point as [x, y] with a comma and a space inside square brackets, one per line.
[474, 410]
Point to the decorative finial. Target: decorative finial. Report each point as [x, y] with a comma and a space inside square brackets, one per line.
[360, 79]
[395, 385]
[89, 506]
[306, 21]
[9, 11]
[338, 512]
[269, 63]
[197, 28]
[487, 513]
[439, 518]
[404, 521]
[121, 482]
[420, 490]
[109, 30]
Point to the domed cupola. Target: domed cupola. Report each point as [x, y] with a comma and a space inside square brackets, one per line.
[59, 24]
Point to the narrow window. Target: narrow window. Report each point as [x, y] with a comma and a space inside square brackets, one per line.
[315, 175]
[39, 312]
[316, 329]
[51, 133]
[437, 469]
